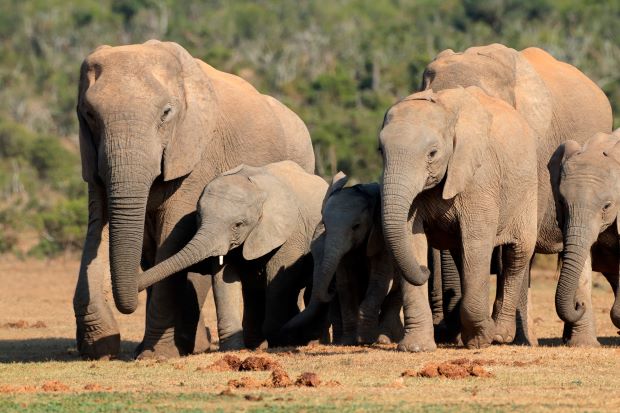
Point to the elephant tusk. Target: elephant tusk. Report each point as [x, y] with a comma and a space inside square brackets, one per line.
[221, 260]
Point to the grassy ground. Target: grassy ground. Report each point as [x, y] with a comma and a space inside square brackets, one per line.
[40, 369]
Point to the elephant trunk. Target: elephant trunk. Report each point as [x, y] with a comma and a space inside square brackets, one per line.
[576, 250]
[326, 271]
[196, 250]
[127, 208]
[397, 200]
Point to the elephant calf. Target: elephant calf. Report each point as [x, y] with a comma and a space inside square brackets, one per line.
[351, 247]
[586, 184]
[270, 213]
[459, 173]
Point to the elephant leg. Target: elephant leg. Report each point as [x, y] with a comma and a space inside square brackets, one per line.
[477, 325]
[583, 332]
[227, 294]
[349, 304]
[449, 329]
[378, 287]
[434, 285]
[254, 303]
[335, 319]
[97, 333]
[418, 318]
[525, 335]
[391, 328]
[515, 267]
[191, 332]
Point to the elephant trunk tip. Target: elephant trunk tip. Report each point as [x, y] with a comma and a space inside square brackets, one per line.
[126, 301]
[417, 278]
[571, 314]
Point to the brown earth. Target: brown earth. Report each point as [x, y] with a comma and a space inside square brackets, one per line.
[38, 360]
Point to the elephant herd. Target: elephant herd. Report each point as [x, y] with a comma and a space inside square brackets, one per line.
[196, 181]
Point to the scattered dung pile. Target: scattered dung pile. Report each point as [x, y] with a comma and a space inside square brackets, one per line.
[455, 369]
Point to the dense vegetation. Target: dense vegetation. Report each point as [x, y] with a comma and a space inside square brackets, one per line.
[338, 63]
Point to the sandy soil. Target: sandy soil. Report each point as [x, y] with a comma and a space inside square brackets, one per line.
[40, 368]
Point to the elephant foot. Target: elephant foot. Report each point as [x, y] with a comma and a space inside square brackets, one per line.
[525, 337]
[99, 348]
[504, 332]
[348, 339]
[479, 336]
[415, 343]
[367, 334]
[233, 342]
[582, 341]
[161, 351]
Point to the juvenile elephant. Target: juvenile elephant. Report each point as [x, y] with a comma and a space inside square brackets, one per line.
[157, 125]
[459, 173]
[270, 213]
[351, 248]
[558, 102]
[586, 183]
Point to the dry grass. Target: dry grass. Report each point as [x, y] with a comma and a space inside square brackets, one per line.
[40, 370]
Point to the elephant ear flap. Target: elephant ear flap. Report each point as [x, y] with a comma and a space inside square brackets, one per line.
[279, 218]
[88, 153]
[470, 140]
[197, 114]
[338, 182]
[375, 240]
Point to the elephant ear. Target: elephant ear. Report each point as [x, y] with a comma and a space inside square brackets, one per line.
[197, 117]
[561, 155]
[471, 138]
[278, 220]
[88, 152]
[376, 241]
[338, 182]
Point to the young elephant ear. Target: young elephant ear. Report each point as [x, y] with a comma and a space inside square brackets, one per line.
[338, 182]
[561, 154]
[376, 241]
[278, 220]
[197, 114]
[470, 140]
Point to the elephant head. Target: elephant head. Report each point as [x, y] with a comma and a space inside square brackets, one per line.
[501, 72]
[586, 183]
[143, 111]
[350, 221]
[428, 140]
[246, 206]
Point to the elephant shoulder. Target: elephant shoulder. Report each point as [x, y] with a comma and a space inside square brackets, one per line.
[226, 80]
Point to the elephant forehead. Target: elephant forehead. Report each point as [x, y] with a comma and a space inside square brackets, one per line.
[344, 205]
[133, 59]
[231, 187]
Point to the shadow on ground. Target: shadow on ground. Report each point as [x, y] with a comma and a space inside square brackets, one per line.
[50, 349]
[557, 341]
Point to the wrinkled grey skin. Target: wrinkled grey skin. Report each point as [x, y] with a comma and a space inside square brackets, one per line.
[459, 173]
[156, 125]
[586, 182]
[262, 220]
[350, 253]
[556, 99]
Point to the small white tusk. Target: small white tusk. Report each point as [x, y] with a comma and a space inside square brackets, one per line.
[221, 260]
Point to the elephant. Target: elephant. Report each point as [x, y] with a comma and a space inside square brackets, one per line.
[459, 173]
[262, 220]
[557, 100]
[586, 184]
[156, 125]
[351, 248]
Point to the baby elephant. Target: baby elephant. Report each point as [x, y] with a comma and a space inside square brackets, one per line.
[262, 219]
[586, 184]
[351, 248]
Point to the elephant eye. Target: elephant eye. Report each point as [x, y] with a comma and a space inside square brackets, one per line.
[166, 113]
[607, 205]
[356, 227]
[432, 153]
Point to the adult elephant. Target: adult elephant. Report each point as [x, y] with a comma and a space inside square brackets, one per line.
[556, 99]
[156, 125]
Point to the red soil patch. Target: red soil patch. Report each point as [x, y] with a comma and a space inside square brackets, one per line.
[23, 324]
[17, 389]
[54, 385]
[455, 369]
[96, 387]
[255, 363]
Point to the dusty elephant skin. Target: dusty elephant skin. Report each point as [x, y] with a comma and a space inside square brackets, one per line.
[558, 102]
[265, 217]
[349, 247]
[459, 169]
[156, 125]
[586, 184]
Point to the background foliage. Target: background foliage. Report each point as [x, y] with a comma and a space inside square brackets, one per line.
[339, 64]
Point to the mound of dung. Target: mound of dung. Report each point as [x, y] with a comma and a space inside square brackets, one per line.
[455, 369]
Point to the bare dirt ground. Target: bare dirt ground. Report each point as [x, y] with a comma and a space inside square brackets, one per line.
[40, 369]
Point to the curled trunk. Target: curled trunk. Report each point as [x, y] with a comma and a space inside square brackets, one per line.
[576, 251]
[397, 200]
[196, 250]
